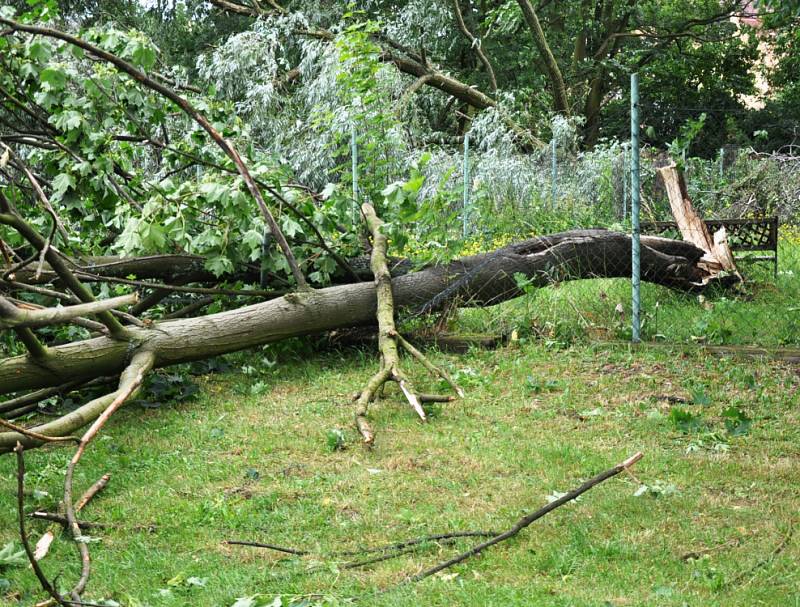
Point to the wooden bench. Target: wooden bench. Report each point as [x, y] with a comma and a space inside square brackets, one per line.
[745, 235]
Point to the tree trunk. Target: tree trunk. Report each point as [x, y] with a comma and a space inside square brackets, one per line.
[718, 256]
[479, 280]
[560, 101]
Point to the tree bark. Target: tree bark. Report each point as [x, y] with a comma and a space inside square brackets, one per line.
[560, 101]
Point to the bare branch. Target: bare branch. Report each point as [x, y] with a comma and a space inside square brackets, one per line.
[129, 383]
[36, 435]
[23, 534]
[476, 44]
[409, 92]
[14, 316]
[525, 521]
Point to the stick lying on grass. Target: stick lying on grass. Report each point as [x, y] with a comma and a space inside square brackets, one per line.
[528, 519]
[401, 548]
[43, 545]
[388, 551]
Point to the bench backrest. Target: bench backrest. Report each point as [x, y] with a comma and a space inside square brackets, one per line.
[743, 234]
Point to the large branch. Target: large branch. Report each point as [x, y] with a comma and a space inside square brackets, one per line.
[389, 340]
[439, 80]
[129, 383]
[16, 316]
[169, 268]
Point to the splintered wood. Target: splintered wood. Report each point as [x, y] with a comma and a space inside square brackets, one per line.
[718, 257]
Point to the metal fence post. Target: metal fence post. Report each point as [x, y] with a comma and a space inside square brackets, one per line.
[553, 172]
[354, 157]
[465, 210]
[635, 268]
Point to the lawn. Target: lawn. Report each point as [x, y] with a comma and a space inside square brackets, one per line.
[253, 457]
[763, 311]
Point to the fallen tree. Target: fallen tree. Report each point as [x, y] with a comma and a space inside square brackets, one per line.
[479, 280]
[36, 264]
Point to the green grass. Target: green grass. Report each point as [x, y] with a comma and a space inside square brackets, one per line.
[238, 465]
[763, 312]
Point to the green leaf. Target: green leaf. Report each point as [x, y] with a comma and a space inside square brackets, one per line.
[335, 439]
[684, 421]
[736, 421]
[219, 265]
[53, 78]
[290, 227]
[414, 184]
[153, 235]
[39, 51]
[67, 120]
[252, 239]
[213, 191]
[11, 557]
[61, 183]
[198, 582]
[699, 397]
[258, 600]
[144, 56]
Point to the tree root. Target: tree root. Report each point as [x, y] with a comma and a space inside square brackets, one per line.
[390, 341]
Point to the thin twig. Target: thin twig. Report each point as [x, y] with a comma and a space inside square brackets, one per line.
[437, 537]
[23, 534]
[696, 554]
[267, 546]
[43, 545]
[768, 559]
[92, 491]
[475, 43]
[62, 520]
[398, 546]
